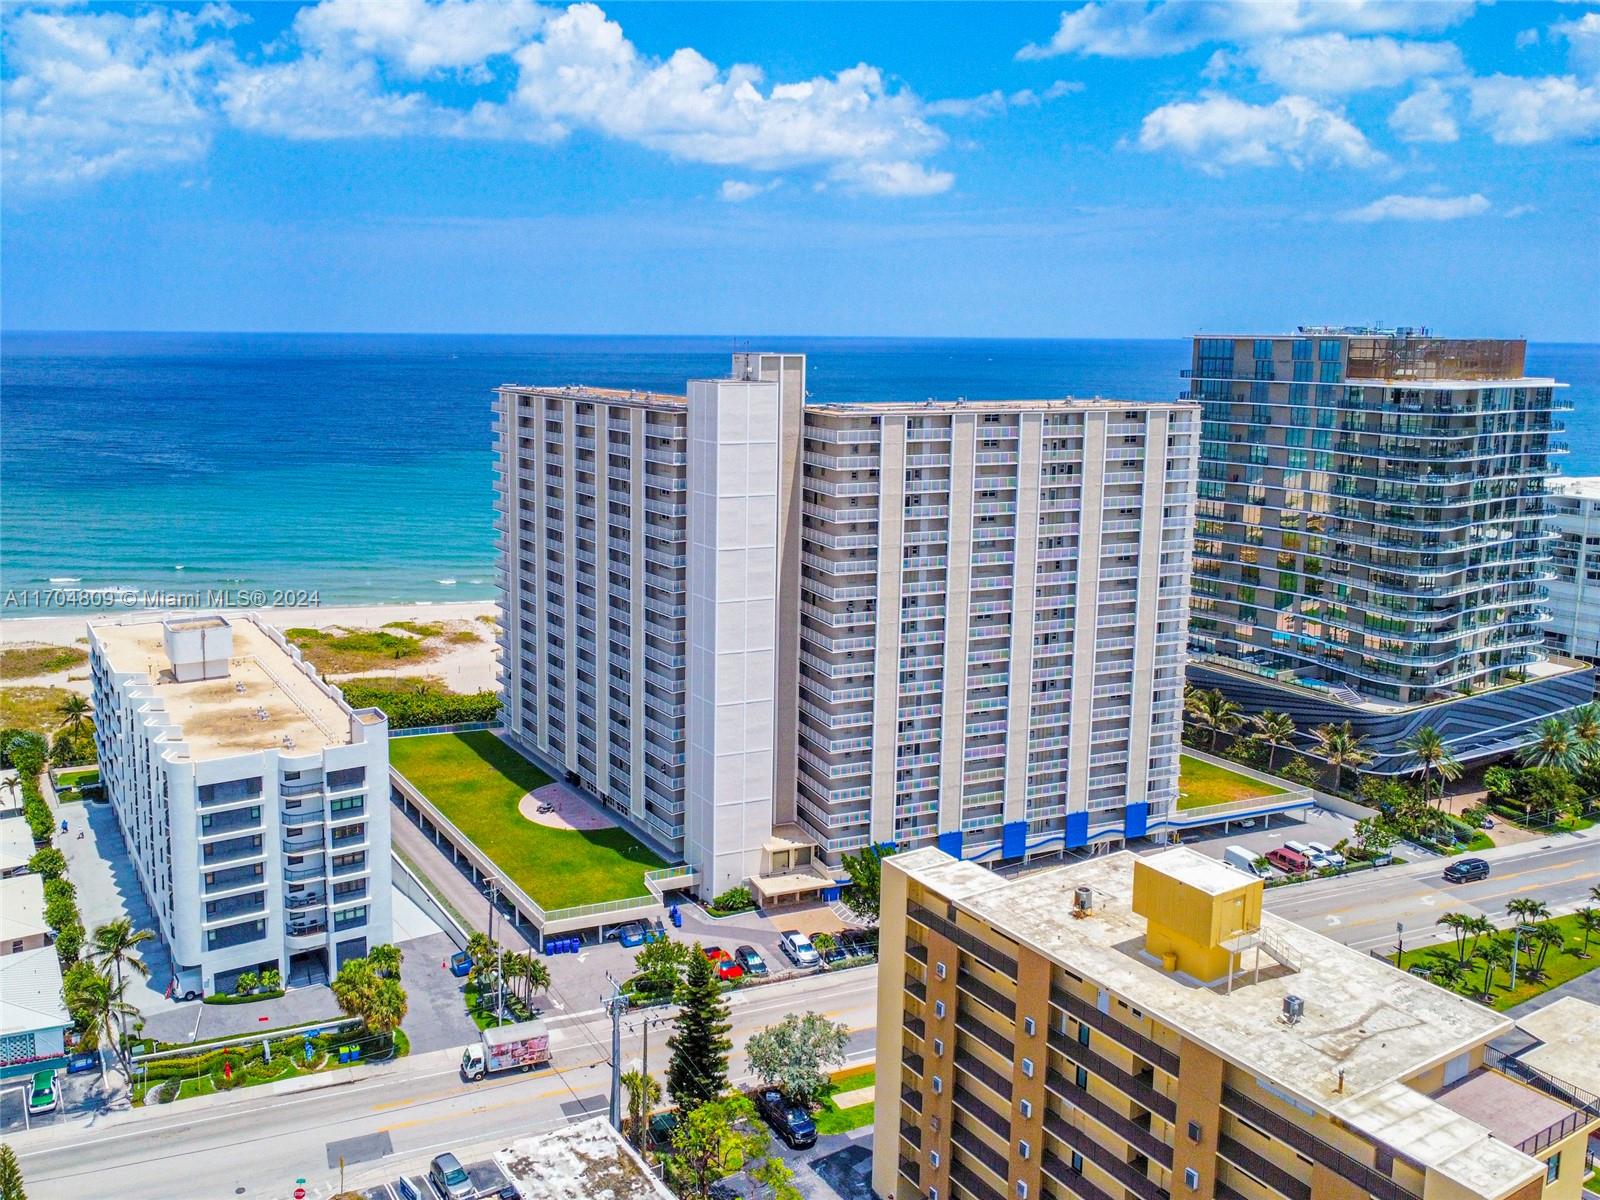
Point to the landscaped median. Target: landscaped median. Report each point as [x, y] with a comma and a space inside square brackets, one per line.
[1486, 973]
[477, 783]
[176, 1072]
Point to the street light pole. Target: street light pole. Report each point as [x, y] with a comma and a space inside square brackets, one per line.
[616, 1004]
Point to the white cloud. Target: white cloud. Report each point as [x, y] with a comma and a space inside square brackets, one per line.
[1419, 208]
[1125, 29]
[98, 94]
[1528, 37]
[1427, 115]
[416, 37]
[1583, 42]
[1331, 63]
[737, 191]
[1519, 111]
[1219, 131]
[1519, 210]
[993, 103]
[584, 74]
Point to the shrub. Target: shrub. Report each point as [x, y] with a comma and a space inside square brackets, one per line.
[416, 703]
[735, 899]
[60, 891]
[69, 943]
[24, 750]
[49, 862]
[1299, 770]
[168, 1091]
[74, 747]
[59, 910]
[1247, 753]
[271, 980]
[248, 982]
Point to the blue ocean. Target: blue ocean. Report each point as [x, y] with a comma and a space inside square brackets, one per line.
[359, 468]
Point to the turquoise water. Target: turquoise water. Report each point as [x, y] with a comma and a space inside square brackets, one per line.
[357, 469]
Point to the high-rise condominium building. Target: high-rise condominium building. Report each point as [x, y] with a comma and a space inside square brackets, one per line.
[1370, 544]
[1138, 1028]
[1574, 628]
[253, 800]
[773, 631]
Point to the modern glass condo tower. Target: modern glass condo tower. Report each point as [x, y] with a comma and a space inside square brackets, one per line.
[1370, 543]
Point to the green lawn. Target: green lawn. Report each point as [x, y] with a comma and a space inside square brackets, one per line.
[1200, 785]
[78, 777]
[1560, 965]
[477, 781]
[832, 1119]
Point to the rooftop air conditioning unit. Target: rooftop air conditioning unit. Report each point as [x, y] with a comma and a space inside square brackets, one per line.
[1293, 1009]
[1083, 900]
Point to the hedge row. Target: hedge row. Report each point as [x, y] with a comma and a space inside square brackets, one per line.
[242, 1057]
[61, 905]
[416, 705]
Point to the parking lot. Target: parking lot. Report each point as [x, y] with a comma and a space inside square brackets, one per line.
[80, 1093]
[1256, 835]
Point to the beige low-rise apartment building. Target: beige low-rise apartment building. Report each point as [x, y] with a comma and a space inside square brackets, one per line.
[773, 630]
[22, 923]
[1137, 1028]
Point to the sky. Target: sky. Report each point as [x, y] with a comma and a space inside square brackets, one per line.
[1019, 170]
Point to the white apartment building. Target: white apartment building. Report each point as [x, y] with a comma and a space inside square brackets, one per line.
[1573, 516]
[252, 798]
[773, 631]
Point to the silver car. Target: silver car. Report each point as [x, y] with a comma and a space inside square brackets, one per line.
[449, 1179]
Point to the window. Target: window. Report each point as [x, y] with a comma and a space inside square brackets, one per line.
[938, 969]
[350, 804]
[1083, 1035]
[1081, 1078]
[1194, 1131]
[1022, 1188]
[1025, 1107]
[1028, 1027]
[938, 1085]
[1023, 1149]
[1027, 1067]
[1191, 1179]
[933, 1158]
[1552, 1169]
[938, 1047]
[350, 917]
[1077, 1162]
[938, 1009]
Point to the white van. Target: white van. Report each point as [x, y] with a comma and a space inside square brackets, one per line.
[1315, 857]
[1335, 859]
[1245, 860]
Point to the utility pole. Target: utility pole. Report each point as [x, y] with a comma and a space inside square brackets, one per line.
[616, 1004]
[1516, 951]
[500, 960]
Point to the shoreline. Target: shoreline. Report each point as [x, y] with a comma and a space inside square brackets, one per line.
[463, 668]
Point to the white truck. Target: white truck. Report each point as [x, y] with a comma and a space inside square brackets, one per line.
[522, 1047]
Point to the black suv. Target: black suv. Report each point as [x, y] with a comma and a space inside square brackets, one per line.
[790, 1121]
[1464, 870]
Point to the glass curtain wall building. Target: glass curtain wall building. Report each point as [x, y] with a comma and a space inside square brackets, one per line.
[1371, 542]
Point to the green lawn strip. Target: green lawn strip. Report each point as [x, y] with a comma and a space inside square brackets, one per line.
[477, 781]
[1202, 784]
[830, 1117]
[1560, 966]
[78, 777]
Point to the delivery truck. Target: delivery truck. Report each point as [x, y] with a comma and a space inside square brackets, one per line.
[521, 1047]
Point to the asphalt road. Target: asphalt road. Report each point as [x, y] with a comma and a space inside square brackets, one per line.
[1361, 910]
[255, 1145]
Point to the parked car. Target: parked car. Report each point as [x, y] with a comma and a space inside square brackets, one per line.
[724, 963]
[750, 959]
[449, 1179]
[1420, 972]
[1465, 870]
[799, 949]
[45, 1094]
[789, 1121]
[1335, 859]
[1315, 858]
[854, 942]
[1245, 860]
[834, 952]
[1288, 860]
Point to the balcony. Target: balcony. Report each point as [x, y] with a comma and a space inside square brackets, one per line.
[300, 788]
[302, 816]
[303, 841]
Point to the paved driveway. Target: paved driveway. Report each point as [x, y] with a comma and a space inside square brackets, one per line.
[1312, 825]
[108, 888]
[436, 1017]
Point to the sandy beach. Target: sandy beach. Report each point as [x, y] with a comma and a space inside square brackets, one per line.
[461, 667]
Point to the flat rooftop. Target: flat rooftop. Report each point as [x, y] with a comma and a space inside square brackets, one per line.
[22, 907]
[1367, 1027]
[601, 395]
[585, 1161]
[1568, 1032]
[266, 696]
[30, 992]
[1585, 487]
[845, 408]
[1512, 1111]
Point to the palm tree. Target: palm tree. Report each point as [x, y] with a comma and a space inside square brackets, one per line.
[108, 1010]
[530, 972]
[1274, 730]
[644, 1093]
[1341, 747]
[1433, 758]
[9, 783]
[386, 960]
[1553, 746]
[74, 710]
[1589, 922]
[1216, 712]
[1525, 911]
[113, 947]
[1493, 955]
[1460, 924]
[1584, 722]
[1448, 974]
[1543, 938]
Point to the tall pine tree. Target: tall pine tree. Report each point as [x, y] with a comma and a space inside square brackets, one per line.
[699, 1043]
